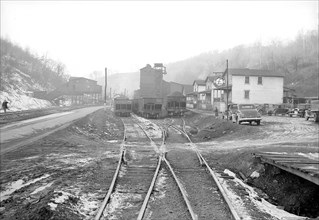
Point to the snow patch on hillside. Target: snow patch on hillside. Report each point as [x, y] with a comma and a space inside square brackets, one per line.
[15, 86]
[18, 102]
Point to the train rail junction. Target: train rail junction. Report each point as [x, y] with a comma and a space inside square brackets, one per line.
[106, 167]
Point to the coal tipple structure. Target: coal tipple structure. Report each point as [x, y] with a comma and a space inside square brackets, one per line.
[156, 95]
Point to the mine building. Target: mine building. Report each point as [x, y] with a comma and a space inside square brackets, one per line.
[151, 81]
[152, 84]
[77, 91]
[155, 96]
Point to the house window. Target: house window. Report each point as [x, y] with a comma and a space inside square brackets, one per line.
[260, 80]
[246, 79]
[246, 94]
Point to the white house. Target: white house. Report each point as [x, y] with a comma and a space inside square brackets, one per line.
[250, 86]
[193, 98]
[199, 85]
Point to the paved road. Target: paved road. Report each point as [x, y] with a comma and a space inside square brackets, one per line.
[17, 134]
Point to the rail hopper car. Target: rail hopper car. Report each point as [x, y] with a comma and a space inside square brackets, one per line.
[148, 107]
[122, 107]
[176, 104]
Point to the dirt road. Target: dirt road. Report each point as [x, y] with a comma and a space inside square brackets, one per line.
[296, 132]
[18, 134]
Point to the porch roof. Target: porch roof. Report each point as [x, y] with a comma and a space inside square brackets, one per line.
[192, 94]
[206, 91]
[224, 88]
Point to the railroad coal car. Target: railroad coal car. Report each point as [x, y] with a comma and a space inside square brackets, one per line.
[176, 104]
[122, 106]
[148, 107]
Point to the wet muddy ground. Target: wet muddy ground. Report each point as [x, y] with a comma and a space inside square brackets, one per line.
[231, 146]
[63, 176]
[67, 174]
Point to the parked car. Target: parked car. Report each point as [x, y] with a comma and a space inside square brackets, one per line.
[246, 113]
[266, 109]
[281, 111]
[297, 112]
[293, 112]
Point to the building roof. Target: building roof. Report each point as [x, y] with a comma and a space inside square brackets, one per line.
[188, 88]
[158, 65]
[176, 94]
[148, 66]
[199, 82]
[211, 78]
[289, 89]
[254, 72]
[120, 97]
[81, 78]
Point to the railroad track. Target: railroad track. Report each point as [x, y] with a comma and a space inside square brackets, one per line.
[217, 187]
[137, 161]
[209, 200]
[147, 162]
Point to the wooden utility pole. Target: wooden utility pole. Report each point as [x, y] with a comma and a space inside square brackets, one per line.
[105, 86]
[227, 89]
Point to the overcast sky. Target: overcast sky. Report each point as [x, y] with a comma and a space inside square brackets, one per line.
[126, 35]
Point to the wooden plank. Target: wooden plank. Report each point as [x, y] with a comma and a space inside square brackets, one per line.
[277, 155]
[307, 176]
[303, 169]
[291, 159]
[301, 165]
[296, 162]
[281, 155]
[306, 163]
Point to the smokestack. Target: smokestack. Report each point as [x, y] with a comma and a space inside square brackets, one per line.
[105, 85]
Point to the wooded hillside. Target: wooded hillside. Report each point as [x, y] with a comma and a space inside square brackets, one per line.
[297, 59]
[41, 70]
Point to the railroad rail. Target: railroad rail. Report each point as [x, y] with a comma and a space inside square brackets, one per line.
[116, 174]
[180, 187]
[111, 188]
[203, 162]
